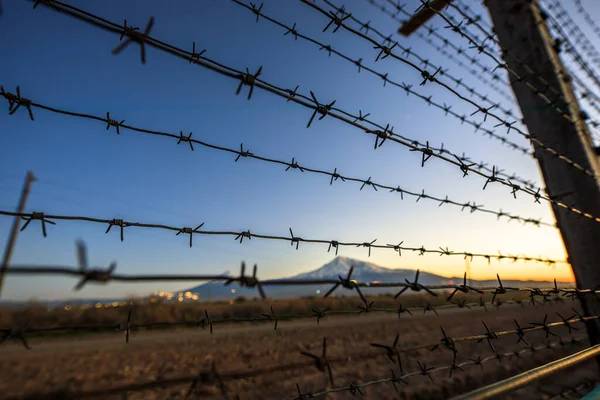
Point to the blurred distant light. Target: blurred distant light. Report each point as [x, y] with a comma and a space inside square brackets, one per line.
[67, 307]
[232, 290]
[180, 299]
[230, 301]
[318, 291]
[98, 305]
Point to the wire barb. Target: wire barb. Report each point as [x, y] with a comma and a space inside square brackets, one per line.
[248, 281]
[134, 35]
[40, 217]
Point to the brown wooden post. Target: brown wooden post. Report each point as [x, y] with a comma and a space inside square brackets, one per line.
[12, 239]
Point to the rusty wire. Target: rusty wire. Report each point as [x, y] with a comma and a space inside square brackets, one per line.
[121, 224]
[562, 44]
[334, 176]
[407, 88]
[429, 77]
[319, 108]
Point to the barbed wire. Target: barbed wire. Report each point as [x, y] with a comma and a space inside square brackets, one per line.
[483, 48]
[473, 72]
[582, 91]
[446, 43]
[354, 388]
[588, 46]
[476, 20]
[428, 77]
[334, 176]
[491, 36]
[121, 224]
[401, 8]
[432, 32]
[585, 93]
[323, 362]
[574, 390]
[557, 26]
[204, 320]
[322, 109]
[407, 88]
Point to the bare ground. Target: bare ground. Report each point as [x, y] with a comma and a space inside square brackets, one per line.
[101, 365]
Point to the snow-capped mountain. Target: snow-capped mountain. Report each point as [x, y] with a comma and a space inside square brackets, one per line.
[339, 267]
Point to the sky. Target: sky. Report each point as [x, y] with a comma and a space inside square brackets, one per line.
[84, 169]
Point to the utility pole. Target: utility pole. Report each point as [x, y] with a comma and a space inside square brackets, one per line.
[12, 239]
[521, 29]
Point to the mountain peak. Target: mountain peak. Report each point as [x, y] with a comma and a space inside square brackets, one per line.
[340, 266]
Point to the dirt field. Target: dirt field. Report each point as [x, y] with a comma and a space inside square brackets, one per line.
[101, 365]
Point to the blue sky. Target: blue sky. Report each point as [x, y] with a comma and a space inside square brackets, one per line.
[83, 169]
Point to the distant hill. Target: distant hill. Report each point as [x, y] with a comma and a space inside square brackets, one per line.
[339, 266]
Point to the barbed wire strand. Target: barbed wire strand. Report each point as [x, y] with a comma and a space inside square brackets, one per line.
[205, 321]
[354, 388]
[121, 224]
[590, 21]
[582, 92]
[386, 80]
[570, 49]
[577, 34]
[247, 79]
[433, 33]
[335, 175]
[428, 77]
[487, 31]
[576, 391]
[482, 49]
[213, 377]
[400, 8]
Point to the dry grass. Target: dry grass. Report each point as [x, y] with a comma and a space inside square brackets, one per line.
[95, 362]
[146, 312]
